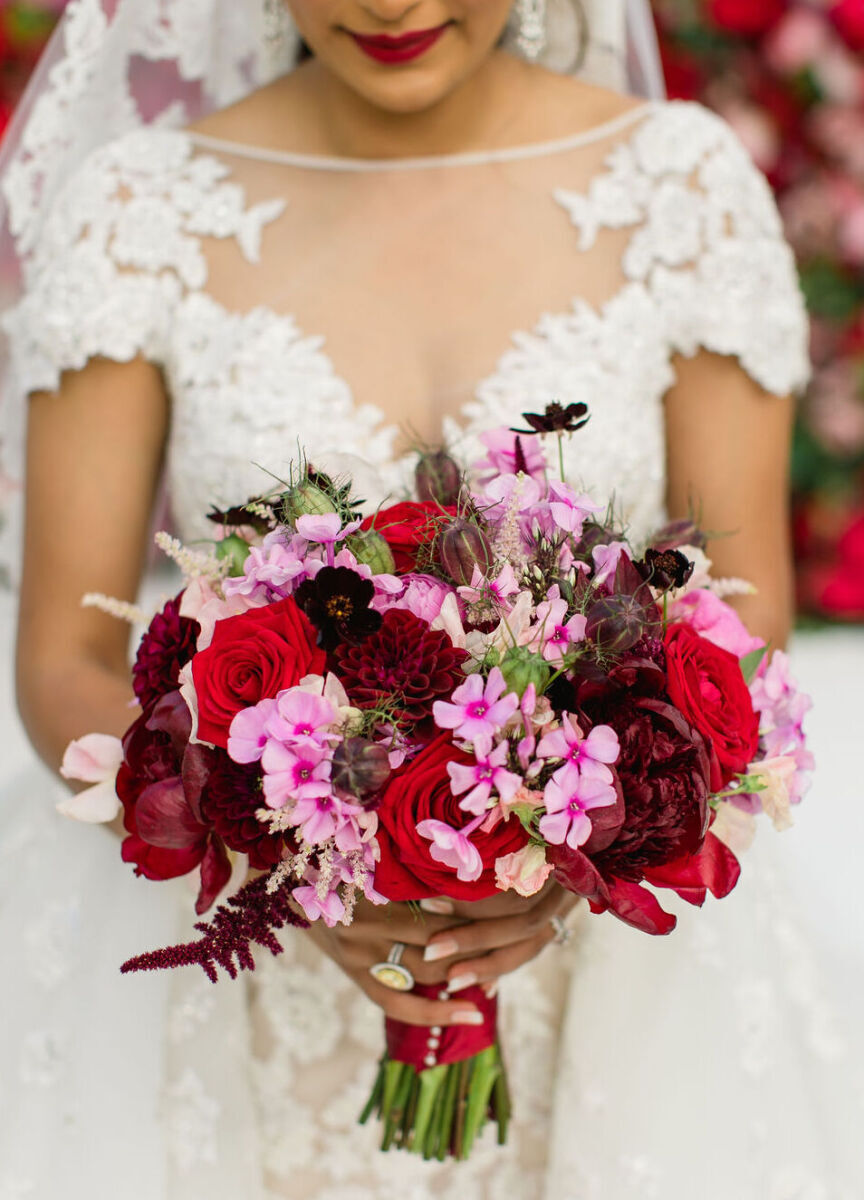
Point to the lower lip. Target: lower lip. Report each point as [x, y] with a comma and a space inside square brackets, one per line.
[394, 54]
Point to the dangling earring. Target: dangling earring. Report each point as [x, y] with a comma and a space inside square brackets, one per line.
[274, 22]
[531, 28]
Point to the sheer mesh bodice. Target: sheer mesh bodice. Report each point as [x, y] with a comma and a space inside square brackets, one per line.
[350, 309]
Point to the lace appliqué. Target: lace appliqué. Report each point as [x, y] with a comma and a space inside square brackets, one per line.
[707, 246]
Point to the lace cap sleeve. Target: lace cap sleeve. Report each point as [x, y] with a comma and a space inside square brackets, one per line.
[708, 243]
[119, 248]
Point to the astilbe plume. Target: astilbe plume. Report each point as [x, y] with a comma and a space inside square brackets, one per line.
[250, 918]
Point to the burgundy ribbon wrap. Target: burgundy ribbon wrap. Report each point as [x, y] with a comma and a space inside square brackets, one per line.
[410, 1043]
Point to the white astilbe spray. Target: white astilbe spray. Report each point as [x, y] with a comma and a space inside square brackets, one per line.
[121, 609]
[195, 564]
[731, 587]
[508, 540]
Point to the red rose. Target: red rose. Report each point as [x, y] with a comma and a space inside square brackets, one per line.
[252, 656]
[407, 528]
[748, 17]
[418, 792]
[848, 16]
[706, 684]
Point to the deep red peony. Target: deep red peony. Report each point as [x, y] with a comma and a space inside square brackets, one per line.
[168, 836]
[706, 683]
[748, 17]
[405, 663]
[408, 529]
[420, 791]
[165, 649]
[252, 656]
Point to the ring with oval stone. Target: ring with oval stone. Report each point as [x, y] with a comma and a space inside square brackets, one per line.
[392, 974]
[562, 933]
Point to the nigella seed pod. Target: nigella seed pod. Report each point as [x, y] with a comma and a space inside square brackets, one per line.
[371, 549]
[438, 478]
[360, 770]
[462, 547]
[616, 623]
[305, 500]
[521, 668]
[236, 550]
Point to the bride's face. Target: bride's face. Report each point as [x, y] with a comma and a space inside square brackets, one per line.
[401, 55]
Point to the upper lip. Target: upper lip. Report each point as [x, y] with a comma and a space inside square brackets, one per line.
[392, 41]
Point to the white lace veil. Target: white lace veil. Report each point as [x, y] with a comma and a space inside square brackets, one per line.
[113, 65]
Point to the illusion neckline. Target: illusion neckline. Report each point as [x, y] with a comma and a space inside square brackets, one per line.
[323, 162]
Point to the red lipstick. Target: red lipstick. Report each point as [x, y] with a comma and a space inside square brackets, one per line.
[391, 49]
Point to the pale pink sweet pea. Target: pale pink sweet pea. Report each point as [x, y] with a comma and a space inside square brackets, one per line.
[606, 559]
[715, 620]
[588, 757]
[325, 529]
[524, 872]
[94, 759]
[451, 847]
[478, 709]
[502, 455]
[486, 773]
[775, 776]
[294, 773]
[567, 809]
[424, 596]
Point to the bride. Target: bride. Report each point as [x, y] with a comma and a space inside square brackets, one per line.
[248, 225]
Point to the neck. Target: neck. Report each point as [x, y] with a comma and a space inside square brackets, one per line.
[476, 114]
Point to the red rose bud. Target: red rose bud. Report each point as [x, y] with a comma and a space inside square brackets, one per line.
[616, 623]
[236, 550]
[305, 500]
[677, 534]
[371, 549]
[360, 769]
[438, 478]
[520, 668]
[462, 547]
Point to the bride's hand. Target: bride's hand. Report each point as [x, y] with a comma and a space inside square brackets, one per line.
[473, 943]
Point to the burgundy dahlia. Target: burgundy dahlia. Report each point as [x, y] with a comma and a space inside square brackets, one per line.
[405, 664]
[229, 800]
[165, 649]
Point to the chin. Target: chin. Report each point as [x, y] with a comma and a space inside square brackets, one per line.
[407, 95]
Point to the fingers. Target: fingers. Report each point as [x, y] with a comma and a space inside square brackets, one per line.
[394, 923]
[480, 937]
[417, 1010]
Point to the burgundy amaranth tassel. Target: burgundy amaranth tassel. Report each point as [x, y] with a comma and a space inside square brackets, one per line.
[249, 918]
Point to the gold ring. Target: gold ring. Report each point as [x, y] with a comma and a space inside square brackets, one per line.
[392, 974]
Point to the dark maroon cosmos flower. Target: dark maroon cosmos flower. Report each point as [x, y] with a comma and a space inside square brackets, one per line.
[665, 569]
[406, 664]
[337, 603]
[556, 419]
[165, 649]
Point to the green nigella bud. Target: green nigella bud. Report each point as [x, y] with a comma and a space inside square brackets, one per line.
[462, 547]
[520, 667]
[235, 550]
[371, 548]
[438, 478]
[305, 500]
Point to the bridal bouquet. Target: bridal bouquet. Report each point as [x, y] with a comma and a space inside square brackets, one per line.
[462, 695]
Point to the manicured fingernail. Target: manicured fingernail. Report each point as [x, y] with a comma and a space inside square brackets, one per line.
[461, 982]
[491, 989]
[437, 950]
[440, 906]
[467, 1016]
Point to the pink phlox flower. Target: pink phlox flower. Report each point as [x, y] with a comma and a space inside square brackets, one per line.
[494, 593]
[587, 757]
[478, 709]
[502, 455]
[606, 559]
[322, 817]
[451, 847]
[272, 569]
[328, 907]
[567, 809]
[568, 510]
[248, 735]
[554, 634]
[394, 742]
[389, 592]
[782, 708]
[294, 773]
[301, 718]
[486, 773]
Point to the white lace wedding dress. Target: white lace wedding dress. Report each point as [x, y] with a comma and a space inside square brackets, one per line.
[697, 1066]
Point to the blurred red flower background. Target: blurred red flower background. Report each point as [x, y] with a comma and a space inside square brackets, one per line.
[789, 76]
